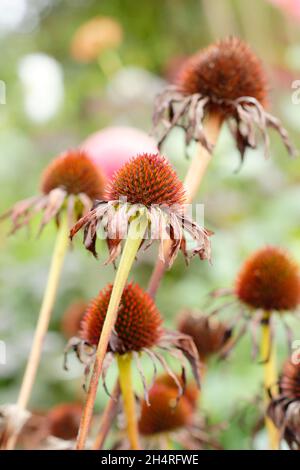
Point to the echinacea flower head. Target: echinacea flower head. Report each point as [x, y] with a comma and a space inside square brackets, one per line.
[54, 429]
[64, 420]
[284, 409]
[267, 284]
[147, 180]
[72, 317]
[209, 334]
[225, 79]
[70, 182]
[74, 173]
[225, 71]
[112, 147]
[269, 280]
[138, 329]
[166, 415]
[191, 390]
[146, 184]
[138, 323]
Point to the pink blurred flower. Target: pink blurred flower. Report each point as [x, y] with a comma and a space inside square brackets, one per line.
[111, 147]
[291, 7]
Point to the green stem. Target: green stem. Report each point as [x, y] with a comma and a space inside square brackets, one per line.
[124, 365]
[136, 233]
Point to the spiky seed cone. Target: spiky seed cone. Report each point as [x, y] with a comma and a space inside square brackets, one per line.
[138, 322]
[64, 420]
[209, 334]
[191, 391]
[269, 280]
[163, 415]
[74, 172]
[147, 179]
[224, 71]
[290, 381]
[72, 317]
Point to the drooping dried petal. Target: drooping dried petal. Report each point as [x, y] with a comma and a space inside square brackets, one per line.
[224, 71]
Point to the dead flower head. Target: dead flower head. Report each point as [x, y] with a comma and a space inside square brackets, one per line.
[70, 182]
[225, 79]
[138, 330]
[167, 417]
[284, 409]
[267, 284]
[72, 317]
[55, 429]
[209, 334]
[148, 185]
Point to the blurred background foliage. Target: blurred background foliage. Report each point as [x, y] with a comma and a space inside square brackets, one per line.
[54, 102]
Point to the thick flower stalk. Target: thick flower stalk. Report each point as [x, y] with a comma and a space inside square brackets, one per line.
[68, 186]
[137, 330]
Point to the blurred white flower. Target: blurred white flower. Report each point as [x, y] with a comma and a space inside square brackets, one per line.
[42, 80]
[13, 13]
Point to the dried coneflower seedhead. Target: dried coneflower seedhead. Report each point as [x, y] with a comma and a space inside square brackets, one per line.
[209, 334]
[64, 420]
[146, 184]
[70, 182]
[75, 173]
[166, 413]
[284, 409]
[269, 280]
[138, 329]
[147, 181]
[225, 71]
[191, 391]
[225, 79]
[289, 383]
[35, 431]
[138, 323]
[72, 317]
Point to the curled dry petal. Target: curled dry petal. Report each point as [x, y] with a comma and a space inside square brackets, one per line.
[163, 223]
